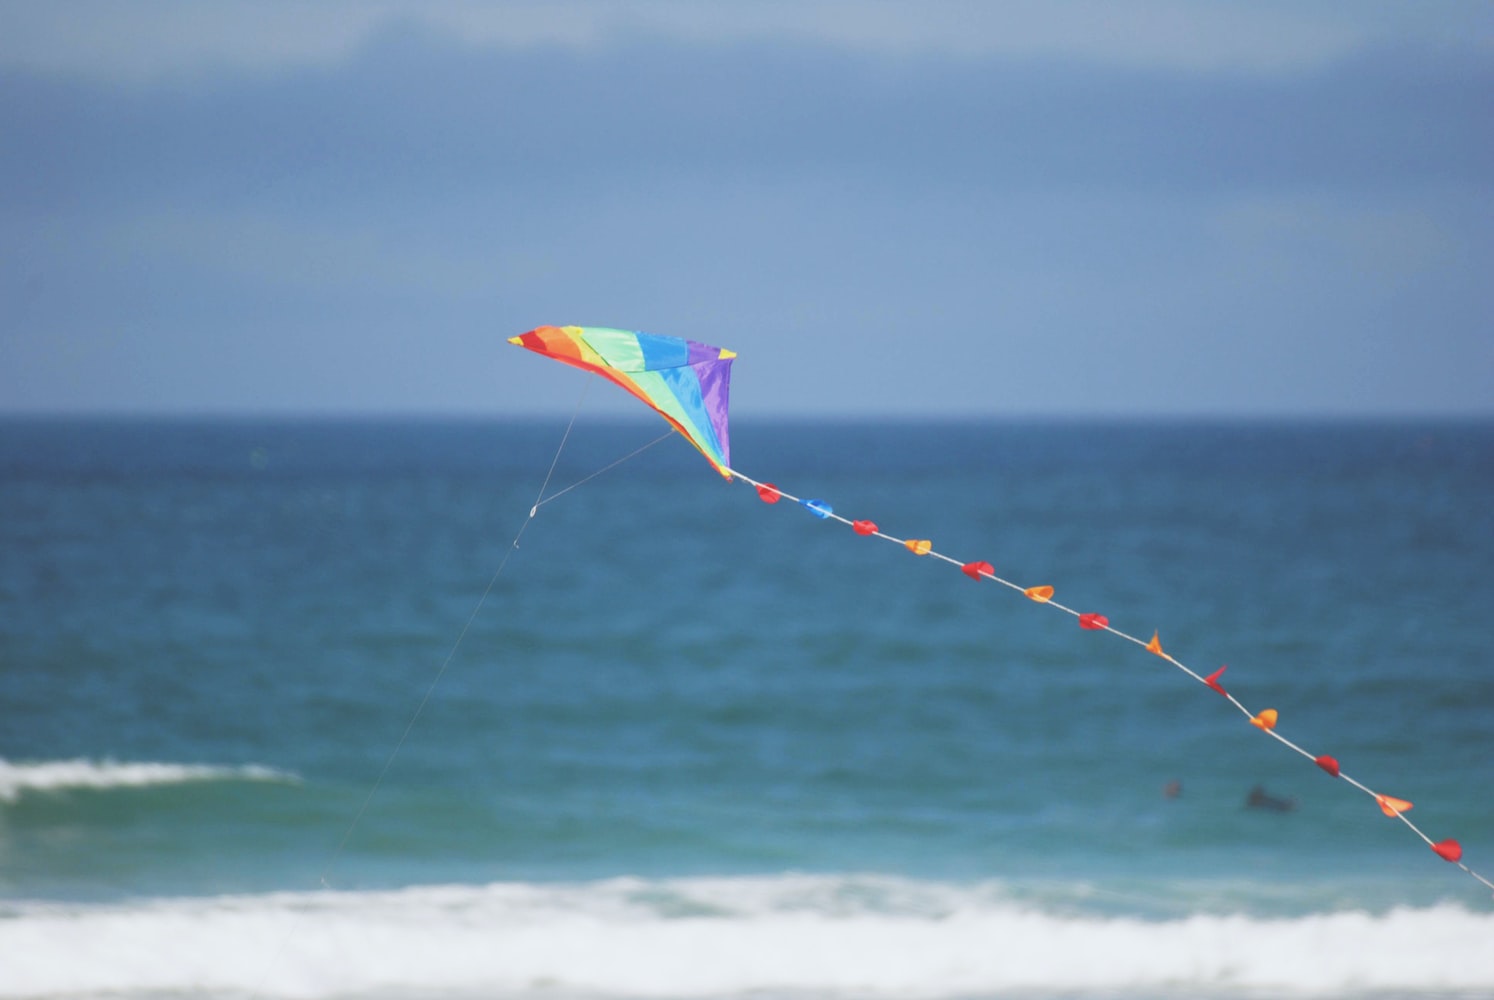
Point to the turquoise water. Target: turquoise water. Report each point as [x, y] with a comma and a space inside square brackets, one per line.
[688, 744]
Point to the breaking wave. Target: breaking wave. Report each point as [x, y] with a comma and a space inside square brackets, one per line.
[17, 779]
[820, 935]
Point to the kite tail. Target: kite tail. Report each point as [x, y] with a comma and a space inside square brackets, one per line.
[1265, 720]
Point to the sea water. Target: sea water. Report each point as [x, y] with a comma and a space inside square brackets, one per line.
[320, 709]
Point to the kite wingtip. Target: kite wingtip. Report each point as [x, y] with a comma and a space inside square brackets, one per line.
[516, 341]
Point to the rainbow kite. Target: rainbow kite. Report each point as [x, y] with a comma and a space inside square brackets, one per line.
[687, 383]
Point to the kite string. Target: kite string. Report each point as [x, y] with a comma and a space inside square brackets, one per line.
[1265, 721]
[451, 653]
[540, 500]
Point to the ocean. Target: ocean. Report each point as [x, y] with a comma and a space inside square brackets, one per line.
[338, 709]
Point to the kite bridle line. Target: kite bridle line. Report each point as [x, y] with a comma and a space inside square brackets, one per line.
[588, 478]
[1265, 721]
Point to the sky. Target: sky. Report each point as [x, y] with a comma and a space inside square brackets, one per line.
[1068, 208]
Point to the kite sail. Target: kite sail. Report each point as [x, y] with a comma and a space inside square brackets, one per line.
[687, 382]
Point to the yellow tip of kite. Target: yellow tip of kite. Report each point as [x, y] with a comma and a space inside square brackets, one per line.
[1266, 720]
[727, 354]
[516, 341]
[1155, 646]
[1392, 807]
[1040, 594]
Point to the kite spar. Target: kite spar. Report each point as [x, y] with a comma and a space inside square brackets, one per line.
[688, 384]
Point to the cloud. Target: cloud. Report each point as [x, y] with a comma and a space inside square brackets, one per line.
[109, 39]
[1025, 234]
[416, 117]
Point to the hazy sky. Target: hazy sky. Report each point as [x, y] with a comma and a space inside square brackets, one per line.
[1044, 208]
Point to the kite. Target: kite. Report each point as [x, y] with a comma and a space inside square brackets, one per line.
[687, 383]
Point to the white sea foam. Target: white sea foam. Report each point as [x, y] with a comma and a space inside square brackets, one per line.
[60, 775]
[800, 935]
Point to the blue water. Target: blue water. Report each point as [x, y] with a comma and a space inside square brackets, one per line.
[680, 743]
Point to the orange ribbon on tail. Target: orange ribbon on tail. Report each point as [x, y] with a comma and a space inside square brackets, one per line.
[1266, 720]
[1392, 807]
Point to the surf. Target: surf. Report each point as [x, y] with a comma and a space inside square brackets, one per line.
[819, 934]
[18, 778]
